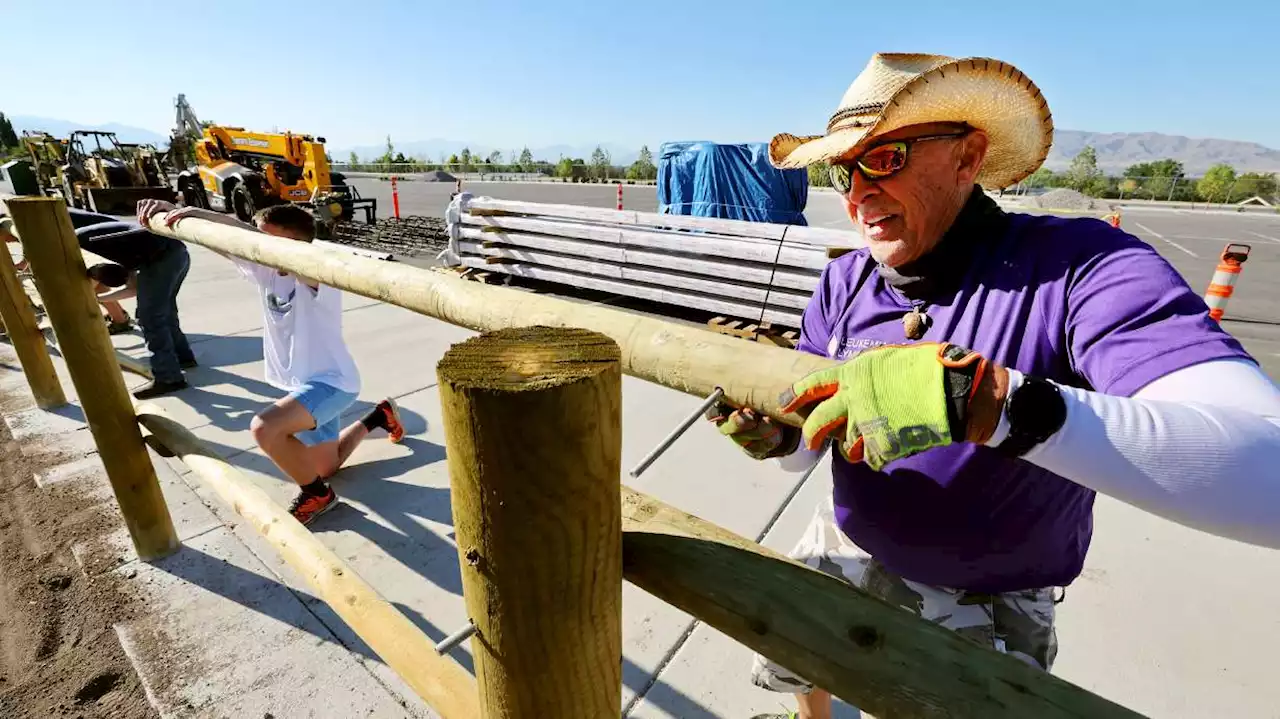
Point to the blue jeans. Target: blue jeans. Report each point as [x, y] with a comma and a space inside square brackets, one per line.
[158, 285]
[325, 403]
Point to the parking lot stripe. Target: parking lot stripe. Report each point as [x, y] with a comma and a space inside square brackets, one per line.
[1265, 237]
[1150, 231]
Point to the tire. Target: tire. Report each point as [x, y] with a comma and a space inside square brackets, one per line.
[242, 203]
[193, 195]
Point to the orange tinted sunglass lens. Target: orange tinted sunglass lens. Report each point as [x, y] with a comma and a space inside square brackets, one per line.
[884, 160]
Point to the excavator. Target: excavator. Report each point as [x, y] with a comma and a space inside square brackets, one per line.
[92, 169]
[240, 171]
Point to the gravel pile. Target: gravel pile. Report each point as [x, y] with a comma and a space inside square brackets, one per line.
[1064, 199]
[409, 236]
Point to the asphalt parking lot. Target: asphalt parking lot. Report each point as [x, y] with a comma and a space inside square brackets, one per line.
[1191, 240]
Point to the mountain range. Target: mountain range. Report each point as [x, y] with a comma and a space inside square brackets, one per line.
[63, 128]
[1115, 150]
[434, 148]
[1118, 150]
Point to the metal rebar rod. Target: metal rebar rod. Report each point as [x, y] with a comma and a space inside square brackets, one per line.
[665, 444]
[453, 640]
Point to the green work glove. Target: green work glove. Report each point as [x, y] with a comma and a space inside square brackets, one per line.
[890, 402]
[758, 435]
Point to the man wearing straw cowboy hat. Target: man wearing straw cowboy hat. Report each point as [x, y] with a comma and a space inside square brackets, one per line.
[997, 370]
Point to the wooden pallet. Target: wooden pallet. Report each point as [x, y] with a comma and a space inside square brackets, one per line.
[471, 273]
[757, 331]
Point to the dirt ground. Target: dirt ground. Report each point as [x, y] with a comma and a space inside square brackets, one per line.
[59, 656]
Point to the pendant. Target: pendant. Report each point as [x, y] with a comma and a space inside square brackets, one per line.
[914, 323]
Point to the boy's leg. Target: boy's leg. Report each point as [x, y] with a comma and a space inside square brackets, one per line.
[274, 429]
[300, 434]
[384, 415]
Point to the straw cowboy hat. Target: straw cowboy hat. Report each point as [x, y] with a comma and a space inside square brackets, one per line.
[896, 90]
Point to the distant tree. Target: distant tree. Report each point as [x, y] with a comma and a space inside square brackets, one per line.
[643, 168]
[1084, 169]
[389, 156]
[465, 158]
[600, 163]
[820, 174]
[1157, 179]
[1098, 186]
[400, 159]
[495, 157]
[526, 160]
[454, 161]
[1042, 177]
[1255, 183]
[1217, 182]
[8, 137]
[353, 159]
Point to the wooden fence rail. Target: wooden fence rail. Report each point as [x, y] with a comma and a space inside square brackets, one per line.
[686, 358]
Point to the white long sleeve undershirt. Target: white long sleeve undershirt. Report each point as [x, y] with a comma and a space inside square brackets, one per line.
[1199, 446]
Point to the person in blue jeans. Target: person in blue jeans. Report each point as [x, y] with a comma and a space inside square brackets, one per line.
[304, 354]
[152, 268]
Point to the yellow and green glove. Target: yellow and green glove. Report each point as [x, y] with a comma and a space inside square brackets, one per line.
[891, 402]
[757, 434]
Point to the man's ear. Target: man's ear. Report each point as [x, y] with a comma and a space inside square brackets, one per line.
[973, 150]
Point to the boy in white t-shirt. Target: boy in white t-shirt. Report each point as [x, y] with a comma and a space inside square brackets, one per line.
[305, 355]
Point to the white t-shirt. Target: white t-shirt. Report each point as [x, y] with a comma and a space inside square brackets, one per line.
[302, 332]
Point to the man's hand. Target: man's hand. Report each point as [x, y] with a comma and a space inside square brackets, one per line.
[897, 401]
[758, 435]
[150, 208]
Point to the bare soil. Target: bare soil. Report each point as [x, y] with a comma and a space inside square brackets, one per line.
[59, 656]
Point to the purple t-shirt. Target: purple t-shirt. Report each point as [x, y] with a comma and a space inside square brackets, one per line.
[1071, 300]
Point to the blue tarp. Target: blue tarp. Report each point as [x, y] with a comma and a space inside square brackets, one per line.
[737, 182]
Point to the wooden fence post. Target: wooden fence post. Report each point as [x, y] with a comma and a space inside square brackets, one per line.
[533, 425]
[24, 332]
[50, 245]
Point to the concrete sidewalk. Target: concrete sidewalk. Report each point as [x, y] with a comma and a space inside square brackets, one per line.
[1165, 620]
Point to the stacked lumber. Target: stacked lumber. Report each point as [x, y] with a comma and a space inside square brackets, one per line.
[759, 271]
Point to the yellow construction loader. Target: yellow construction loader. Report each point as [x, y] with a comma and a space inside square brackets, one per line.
[240, 171]
[93, 170]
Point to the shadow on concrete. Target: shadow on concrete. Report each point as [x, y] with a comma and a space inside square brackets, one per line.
[225, 351]
[661, 694]
[250, 590]
[1251, 321]
[401, 505]
[233, 413]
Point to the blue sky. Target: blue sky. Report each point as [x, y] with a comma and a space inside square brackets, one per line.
[510, 73]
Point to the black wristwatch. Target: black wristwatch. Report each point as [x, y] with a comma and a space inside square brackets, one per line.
[1035, 411]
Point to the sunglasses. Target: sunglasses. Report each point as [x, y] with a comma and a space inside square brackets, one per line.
[881, 161]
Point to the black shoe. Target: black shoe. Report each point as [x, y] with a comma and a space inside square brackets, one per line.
[189, 364]
[155, 389]
[120, 328]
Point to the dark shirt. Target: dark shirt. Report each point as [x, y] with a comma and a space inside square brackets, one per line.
[124, 243]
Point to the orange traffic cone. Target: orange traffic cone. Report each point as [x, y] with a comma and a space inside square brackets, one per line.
[1223, 284]
[1113, 219]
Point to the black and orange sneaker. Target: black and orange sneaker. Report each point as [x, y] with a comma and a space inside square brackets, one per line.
[306, 507]
[387, 416]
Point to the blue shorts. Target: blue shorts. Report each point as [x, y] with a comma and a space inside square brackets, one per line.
[326, 404]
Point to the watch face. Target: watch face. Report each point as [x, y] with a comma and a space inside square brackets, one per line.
[1037, 409]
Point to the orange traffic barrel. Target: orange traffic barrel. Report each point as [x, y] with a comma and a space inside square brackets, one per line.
[1224, 279]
